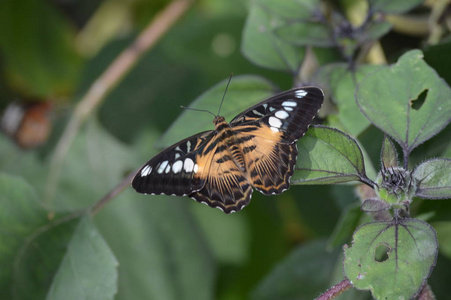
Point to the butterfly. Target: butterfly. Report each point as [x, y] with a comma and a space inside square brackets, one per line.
[221, 167]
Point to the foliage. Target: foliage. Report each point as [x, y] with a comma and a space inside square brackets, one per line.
[383, 138]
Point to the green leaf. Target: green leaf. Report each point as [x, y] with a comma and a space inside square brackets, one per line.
[326, 156]
[302, 275]
[343, 82]
[389, 156]
[408, 101]
[349, 220]
[393, 6]
[433, 179]
[263, 48]
[244, 91]
[444, 236]
[393, 259]
[165, 255]
[20, 215]
[37, 48]
[374, 31]
[89, 268]
[306, 34]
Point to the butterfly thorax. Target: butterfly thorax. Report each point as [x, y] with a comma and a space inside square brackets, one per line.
[229, 146]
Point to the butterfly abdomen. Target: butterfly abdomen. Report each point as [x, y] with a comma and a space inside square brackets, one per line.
[231, 148]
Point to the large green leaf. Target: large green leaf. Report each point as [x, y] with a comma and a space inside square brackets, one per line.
[433, 179]
[161, 250]
[88, 269]
[243, 92]
[407, 100]
[326, 156]
[393, 259]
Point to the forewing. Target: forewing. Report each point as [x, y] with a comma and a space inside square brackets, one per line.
[289, 113]
[178, 170]
[226, 185]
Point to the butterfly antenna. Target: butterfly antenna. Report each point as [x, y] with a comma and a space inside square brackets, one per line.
[223, 96]
[195, 109]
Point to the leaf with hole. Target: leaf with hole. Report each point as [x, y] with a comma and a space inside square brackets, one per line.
[392, 259]
[407, 100]
[433, 179]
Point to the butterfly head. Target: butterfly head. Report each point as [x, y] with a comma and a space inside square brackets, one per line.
[218, 119]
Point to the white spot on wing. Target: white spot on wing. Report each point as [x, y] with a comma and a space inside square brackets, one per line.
[196, 167]
[287, 108]
[274, 122]
[188, 165]
[188, 146]
[146, 171]
[281, 114]
[168, 168]
[300, 94]
[257, 113]
[289, 103]
[271, 109]
[162, 167]
[177, 155]
[177, 166]
[274, 129]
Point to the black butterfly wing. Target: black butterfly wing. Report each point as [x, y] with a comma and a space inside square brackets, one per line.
[176, 170]
[289, 113]
[268, 133]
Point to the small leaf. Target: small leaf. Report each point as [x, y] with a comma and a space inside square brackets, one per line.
[387, 95]
[306, 34]
[389, 156]
[262, 47]
[243, 92]
[393, 6]
[348, 222]
[88, 269]
[433, 179]
[375, 205]
[393, 259]
[327, 155]
[308, 264]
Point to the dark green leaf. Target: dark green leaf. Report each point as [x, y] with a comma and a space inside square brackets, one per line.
[302, 275]
[327, 155]
[262, 47]
[393, 6]
[37, 48]
[433, 179]
[306, 34]
[389, 156]
[349, 220]
[243, 92]
[387, 97]
[393, 259]
[374, 31]
[88, 269]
